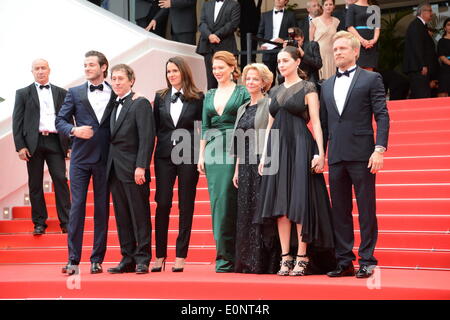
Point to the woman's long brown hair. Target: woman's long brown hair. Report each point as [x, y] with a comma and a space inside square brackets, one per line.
[190, 91]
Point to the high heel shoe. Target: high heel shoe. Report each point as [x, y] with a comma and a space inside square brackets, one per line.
[288, 263]
[303, 264]
[180, 269]
[162, 267]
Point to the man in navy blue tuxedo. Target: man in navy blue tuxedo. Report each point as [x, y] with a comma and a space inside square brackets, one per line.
[90, 105]
[349, 101]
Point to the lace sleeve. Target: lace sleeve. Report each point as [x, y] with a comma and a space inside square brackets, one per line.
[310, 87]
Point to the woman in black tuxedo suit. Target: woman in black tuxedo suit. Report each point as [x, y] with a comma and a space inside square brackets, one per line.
[176, 108]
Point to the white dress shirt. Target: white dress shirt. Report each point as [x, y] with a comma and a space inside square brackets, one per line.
[119, 108]
[277, 18]
[341, 86]
[99, 99]
[47, 113]
[423, 21]
[217, 7]
[175, 108]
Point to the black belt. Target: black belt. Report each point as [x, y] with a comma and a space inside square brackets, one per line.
[47, 133]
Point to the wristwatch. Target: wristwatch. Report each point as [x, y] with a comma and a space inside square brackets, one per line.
[380, 149]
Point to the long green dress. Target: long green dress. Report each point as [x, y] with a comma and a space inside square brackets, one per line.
[219, 166]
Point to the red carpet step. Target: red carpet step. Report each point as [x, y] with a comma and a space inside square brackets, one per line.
[46, 281]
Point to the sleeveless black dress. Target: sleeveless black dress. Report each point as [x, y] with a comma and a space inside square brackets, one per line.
[293, 190]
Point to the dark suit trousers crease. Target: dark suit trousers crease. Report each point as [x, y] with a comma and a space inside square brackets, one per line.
[132, 210]
[80, 176]
[166, 173]
[420, 85]
[342, 176]
[211, 80]
[270, 60]
[48, 150]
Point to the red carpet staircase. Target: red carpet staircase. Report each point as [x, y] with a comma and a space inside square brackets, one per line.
[413, 205]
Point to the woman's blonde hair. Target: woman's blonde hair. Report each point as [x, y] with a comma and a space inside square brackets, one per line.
[264, 72]
[230, 60]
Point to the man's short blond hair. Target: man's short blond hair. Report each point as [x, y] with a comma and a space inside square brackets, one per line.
[354, 42]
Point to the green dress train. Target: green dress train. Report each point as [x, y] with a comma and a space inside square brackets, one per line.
[219, 166]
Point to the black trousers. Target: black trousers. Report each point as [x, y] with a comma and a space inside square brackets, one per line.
[343, 176]
[420, 85]
[185, 37]
[211, 80]
[132, 210]
[166, 173]
[270, 60]
[49, 151]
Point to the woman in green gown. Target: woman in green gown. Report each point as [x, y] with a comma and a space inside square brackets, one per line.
[219, 115]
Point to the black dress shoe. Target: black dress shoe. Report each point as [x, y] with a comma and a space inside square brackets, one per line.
[342, 271]
[96, 268]
[70, 269]
[38, 230]
[141, 268]
[122, 268]
[63, 229]
[365, 271]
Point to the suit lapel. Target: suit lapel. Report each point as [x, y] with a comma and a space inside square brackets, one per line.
[110, 105]
[270, 23]
[167, 106]
[283, 22]
[222, 10]
[352, 84]
[183, 111]
[331, 93]
[85, 101]
[126, 106]
[55, 94]
[34, 96]
[112, 120]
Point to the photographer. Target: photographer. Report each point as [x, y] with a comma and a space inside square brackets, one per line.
[311, 61]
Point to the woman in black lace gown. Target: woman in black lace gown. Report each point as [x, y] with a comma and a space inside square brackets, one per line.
[292, 193]
[257, 248]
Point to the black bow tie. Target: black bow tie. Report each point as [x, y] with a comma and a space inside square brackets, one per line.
[44, 87]
[93, 88]
[175, 97]
[278, 11]
[345, 73]
[121, 101]
[219, 0]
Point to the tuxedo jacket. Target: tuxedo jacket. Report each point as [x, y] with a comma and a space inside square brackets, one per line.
[265, 29]
[350, 136]
[26, 117]
[191, 111]
[76, 105]
[420, 50]
[132, 139]
[183, 16]
[250, 17]
[224, 27]
[304, 25]
[311, 61]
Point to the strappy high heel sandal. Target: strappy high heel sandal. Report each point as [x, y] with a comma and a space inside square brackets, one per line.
[289, 264]
[303, 265]
[162, 267]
